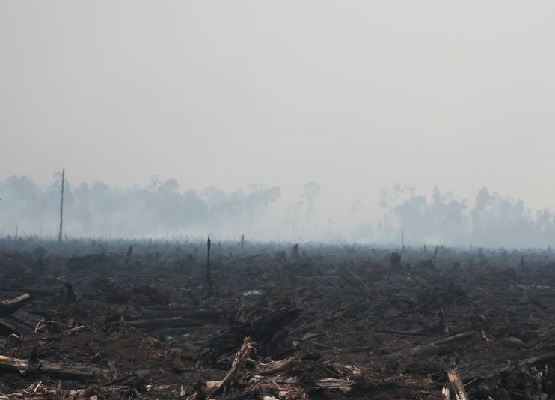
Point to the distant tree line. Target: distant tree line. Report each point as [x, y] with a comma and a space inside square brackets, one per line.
[162, 209]
[491, 219]
[97, 209]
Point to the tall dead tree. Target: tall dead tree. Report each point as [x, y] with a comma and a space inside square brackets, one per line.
[394, 263]
[295, 253]
[62, 207]
[208, 281]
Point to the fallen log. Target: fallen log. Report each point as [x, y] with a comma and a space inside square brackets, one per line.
[484, 369]
[200, 314]
[8, 307]
[21, 322]
[14, 326]
[406, 333]
[437, 344]
[344, 385]
[51, 369]
[175, 322]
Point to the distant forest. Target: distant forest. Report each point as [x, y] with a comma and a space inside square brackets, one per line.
[163, 209]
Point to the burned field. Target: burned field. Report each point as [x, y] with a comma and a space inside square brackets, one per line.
[103, 320]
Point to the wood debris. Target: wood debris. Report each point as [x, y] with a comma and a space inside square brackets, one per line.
[131, 319]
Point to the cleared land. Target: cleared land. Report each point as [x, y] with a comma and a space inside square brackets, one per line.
[127, 319]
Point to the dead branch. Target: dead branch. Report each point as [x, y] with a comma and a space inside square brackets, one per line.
[275, 366]
[8, 307]
[237, 361]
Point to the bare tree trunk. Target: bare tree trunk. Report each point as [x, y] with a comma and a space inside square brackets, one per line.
[62, 208]
[208, 283]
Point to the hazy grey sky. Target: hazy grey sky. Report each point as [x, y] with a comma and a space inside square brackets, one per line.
[355, 95]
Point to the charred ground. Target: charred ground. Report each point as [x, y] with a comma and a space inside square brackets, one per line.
[120, 319]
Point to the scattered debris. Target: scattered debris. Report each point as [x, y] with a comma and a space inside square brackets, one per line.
[146, 320]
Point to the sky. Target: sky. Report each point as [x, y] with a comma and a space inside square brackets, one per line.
[356, 95]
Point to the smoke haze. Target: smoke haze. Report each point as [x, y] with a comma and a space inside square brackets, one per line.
[353, 97]
[163, 209]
